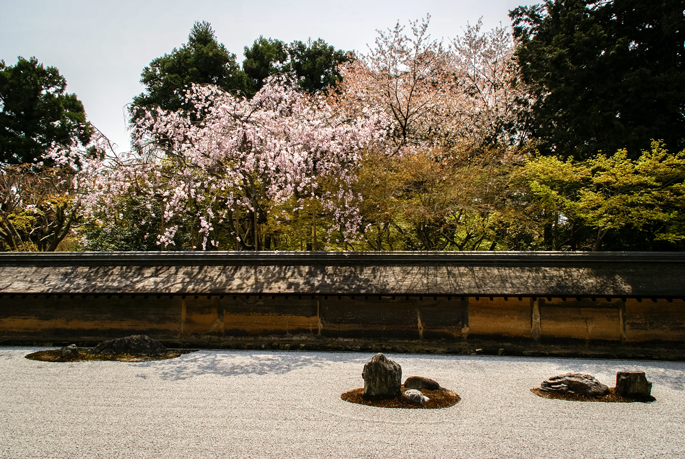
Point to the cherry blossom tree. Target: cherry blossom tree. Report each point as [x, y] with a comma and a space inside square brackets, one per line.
[453, 115]
[41, 203]
[407, 76]
[244, 159]
[437, 95]
[488, 75]
[231, 172]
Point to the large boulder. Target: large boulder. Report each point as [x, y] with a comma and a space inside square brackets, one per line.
[575, 383]
[633, 384]
[133, 345]
[421, 382]
[382, 377]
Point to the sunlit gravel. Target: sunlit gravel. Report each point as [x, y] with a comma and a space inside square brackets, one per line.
[248, 404]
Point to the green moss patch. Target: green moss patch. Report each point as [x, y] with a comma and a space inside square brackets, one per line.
[55, 355]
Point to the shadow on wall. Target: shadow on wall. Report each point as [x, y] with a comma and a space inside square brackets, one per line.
[213, 280]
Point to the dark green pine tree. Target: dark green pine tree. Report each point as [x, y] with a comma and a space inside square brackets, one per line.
[604, 74]
[36, 114]
[314, 63]
[201, 61]
[264, 58]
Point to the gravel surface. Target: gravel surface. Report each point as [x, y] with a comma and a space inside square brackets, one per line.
[249, 404]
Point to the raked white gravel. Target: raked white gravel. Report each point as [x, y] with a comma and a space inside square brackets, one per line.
[249, 404]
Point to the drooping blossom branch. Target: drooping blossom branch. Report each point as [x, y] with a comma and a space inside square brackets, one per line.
[233, 159]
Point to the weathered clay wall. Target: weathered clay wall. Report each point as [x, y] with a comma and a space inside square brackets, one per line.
[218, 299]
[217, 321]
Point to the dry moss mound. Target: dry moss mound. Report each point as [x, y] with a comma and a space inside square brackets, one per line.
[611, 397]
[55, 355]
[441, 398]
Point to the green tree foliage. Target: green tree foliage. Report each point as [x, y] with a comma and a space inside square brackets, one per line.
[264, 58]
[426, 200]
[314, 63]
[604, 75]
[201, 61]
[610, 202]
[135, 227]
[38, 207]
[36, 114]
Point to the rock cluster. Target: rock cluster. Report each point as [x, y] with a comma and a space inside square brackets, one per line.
[382, 377]
[575, 383]
[133, 345]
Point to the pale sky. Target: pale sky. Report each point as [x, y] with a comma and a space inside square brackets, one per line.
[102, 47]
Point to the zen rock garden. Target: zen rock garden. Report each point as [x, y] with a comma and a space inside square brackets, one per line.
[383, 388]
[382, 378]
[132, 348]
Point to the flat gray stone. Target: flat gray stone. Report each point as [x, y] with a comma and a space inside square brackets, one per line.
[415, 396]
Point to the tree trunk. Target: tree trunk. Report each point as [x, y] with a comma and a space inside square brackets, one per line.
[163, 227]
[313, 231]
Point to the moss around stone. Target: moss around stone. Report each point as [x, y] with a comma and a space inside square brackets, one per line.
[441, 398]
[55, 355]
[611, 397]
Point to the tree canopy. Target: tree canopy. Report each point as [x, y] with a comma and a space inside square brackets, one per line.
[610, 202]
[38, 207]
[604, 75]
[36, 114]
[203, 60]
[264, 58]
[238, 167]
[314, 63]
[477, 142]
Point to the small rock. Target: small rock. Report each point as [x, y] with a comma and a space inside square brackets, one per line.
[415, 396]
[70, 352]
[420, 382]
[633, 384]
[382, 377]
[575, 383]
[134, 345]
